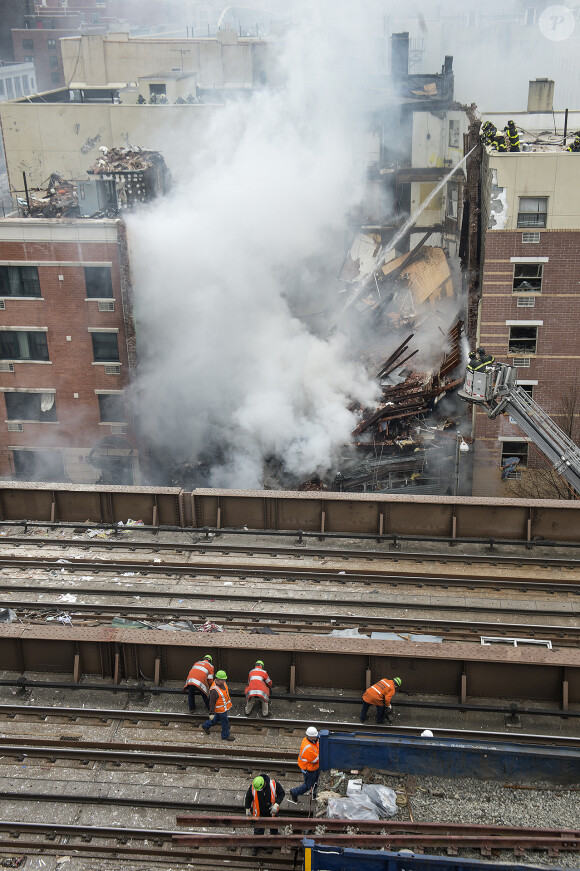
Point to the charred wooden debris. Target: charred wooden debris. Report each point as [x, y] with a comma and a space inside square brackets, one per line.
[404, 443]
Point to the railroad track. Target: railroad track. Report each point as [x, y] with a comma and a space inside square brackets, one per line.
[283, 621]
[205, 545]
[273, 572]
[133, 717]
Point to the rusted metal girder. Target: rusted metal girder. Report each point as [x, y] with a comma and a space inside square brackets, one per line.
[451, 669]
[380, 514]
[486, 843]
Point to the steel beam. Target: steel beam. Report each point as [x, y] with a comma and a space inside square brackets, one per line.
[320, 661]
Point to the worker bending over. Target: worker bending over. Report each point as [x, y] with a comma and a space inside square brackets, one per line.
[258, 689]
[380, 695]
[219, 705]
[263, 799]
[198, 681]
[309, 762]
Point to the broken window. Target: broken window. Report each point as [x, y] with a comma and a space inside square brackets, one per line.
[528, 388]
[19, 281]
[30, 406]
[454, 134]
[23, 345]
[523, 340]
[517, 449]
[527, 278]
[533, 211]
[105, 347]
[39, 465]
[98, 282]
[112, 407]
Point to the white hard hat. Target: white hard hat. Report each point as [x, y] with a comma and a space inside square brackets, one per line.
[427, 734]
[312, 732]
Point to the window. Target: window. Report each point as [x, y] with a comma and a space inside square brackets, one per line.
[39, 466]
[523, 340]
[51, 43]
[18, 86]
[25, 84]
[533, 211]
[158, 90]
[9, 89]
[527, 278]
[454, 134]
[529, 389]
[29, 58]
[53, 60]
[30, 406]
[55, 78]
[516, 449]
[23, 345]
[19, 281]
[112, 407]
[98, 282]
[28, 44]
[105, 347]
[1, 87]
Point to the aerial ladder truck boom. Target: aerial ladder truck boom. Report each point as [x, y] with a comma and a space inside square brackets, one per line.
[494, 387]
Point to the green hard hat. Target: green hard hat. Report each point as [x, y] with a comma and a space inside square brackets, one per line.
[258, 783]
[207, 656]
[221, 675]
[259, 662]
[398, 681]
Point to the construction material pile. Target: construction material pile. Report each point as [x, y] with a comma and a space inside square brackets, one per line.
[58, 200]
[115, 160]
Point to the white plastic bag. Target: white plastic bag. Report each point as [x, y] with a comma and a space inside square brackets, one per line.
[383, 798]
[354, 788]
[355, 808]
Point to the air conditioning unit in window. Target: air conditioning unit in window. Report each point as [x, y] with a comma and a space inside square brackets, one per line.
[2, 303]
[6, 367]
[118, 429]
[521, 362]
[15, 427]
[530, 237]
[526, 301]
[113, 369]
[106, 306]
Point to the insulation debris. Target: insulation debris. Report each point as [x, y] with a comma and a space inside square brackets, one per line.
[58, 200]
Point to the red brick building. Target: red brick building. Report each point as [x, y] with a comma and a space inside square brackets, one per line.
[66, 352]
[530, 304]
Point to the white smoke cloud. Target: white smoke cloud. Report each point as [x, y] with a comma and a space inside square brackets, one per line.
[254, 229]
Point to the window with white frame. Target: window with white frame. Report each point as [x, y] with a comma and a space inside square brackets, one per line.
[527, 278]
[533, 212]
[523, 340]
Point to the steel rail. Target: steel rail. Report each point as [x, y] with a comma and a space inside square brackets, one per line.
[298, 534]
[385, 827]
[263, 598]
[312, 623]
[141, 688]
[133, 717]
[270, 573]
[148, 754]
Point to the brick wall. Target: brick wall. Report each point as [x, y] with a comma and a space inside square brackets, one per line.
[66, 312]
[556, 364]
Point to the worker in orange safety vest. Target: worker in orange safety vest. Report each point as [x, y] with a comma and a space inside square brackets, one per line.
[263, 799]
[258, 689]
[309, 762]
[219, 705]
[380, 695]
[198, 681]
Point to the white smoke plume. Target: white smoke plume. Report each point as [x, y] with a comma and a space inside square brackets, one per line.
[253, 230]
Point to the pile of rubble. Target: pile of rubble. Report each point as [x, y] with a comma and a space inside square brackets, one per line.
[58, 200]
[115, 160]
